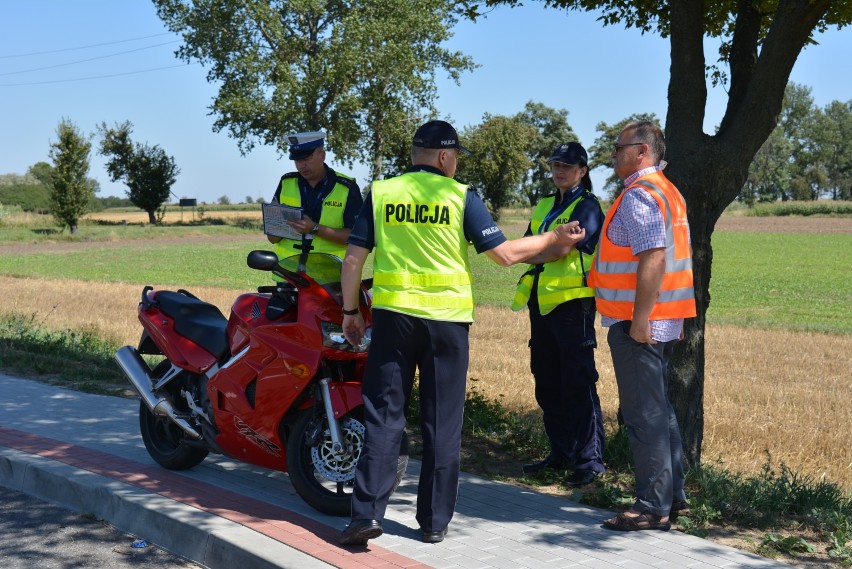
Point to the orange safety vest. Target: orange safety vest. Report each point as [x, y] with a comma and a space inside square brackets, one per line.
[613, 273]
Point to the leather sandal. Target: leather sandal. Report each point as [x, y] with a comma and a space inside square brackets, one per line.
[643, 521]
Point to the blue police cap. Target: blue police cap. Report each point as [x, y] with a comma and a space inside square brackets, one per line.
[438, 134]
[302, 144]
[569, 153]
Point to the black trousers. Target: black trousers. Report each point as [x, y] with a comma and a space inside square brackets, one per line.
[400, 345]
[562, 360]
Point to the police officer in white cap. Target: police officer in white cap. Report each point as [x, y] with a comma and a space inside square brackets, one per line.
[330, 201]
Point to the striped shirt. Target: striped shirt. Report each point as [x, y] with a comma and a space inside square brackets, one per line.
[639, 224]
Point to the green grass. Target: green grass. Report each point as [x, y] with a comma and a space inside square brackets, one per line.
[219, 264]
[766, 280]
[80, 358]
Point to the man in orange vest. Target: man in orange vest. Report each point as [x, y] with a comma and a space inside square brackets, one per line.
[642, 278]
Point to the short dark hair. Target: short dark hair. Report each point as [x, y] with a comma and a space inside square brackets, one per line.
[651, 134]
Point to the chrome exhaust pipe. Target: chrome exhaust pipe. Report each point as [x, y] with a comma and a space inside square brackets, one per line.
[136, 371]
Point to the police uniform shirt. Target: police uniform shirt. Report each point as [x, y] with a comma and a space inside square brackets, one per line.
[479, 226]
[588, 213]
[312, 198]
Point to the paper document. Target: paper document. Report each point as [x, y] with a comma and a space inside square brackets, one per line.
[275, 218]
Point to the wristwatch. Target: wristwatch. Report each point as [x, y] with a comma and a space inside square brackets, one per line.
[352, 312]
[315, 230]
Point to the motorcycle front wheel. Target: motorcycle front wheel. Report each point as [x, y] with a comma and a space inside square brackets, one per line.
[322, 478]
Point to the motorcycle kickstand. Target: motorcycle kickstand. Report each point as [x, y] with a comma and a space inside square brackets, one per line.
[333, 425]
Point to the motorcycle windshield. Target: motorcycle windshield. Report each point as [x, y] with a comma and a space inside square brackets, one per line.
[321, 267]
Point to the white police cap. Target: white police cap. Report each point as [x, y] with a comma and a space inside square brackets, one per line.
[302, 144]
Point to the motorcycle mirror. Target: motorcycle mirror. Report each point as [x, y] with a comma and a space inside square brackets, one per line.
[262, 260]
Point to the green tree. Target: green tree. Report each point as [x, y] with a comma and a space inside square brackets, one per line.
[41, 171]
[832, 147]
[798, 120]
[552, 128]
[147, 171]
[363, 70]
[761, 42]
[769, 174]
[70, 189]
[500, 160]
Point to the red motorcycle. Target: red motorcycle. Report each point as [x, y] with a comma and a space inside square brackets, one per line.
[275, 385]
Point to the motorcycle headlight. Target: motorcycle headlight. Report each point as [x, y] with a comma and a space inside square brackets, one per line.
[332, 337]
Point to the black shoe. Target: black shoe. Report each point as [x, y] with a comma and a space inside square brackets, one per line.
[434, 536]
[551, 461]
[359, 531]
[580, 478]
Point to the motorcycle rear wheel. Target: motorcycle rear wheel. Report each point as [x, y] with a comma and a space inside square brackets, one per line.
[165, 441]
[325, 481]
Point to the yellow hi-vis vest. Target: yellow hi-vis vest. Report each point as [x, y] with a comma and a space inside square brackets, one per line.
[420, 266]
[332, 216]
[560, 280]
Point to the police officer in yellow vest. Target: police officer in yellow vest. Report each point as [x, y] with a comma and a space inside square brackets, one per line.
[421, 224]
[562, 320]
[329, 200]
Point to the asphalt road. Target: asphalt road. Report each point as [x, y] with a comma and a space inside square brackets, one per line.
[39, 535]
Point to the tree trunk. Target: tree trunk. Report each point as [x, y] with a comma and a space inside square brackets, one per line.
[152, 219]
[710, 170]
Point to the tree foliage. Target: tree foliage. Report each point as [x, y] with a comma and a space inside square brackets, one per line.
[26, 191]
[808, 154]
[41, 171]
[500, 160]
[551, 129]
[147, 171]
[832, 148]
[760, 42]
[509, 163]
[363, 70]
[70, 188]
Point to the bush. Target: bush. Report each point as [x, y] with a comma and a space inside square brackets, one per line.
[29, 197]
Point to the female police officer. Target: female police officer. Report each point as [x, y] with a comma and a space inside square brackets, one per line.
[562, 318]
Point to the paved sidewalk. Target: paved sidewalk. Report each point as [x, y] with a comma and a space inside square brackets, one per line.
[84, 452]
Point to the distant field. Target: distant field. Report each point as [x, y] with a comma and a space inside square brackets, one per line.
[174, 215]
[777, 280]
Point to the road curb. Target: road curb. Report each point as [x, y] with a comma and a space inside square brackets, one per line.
[181, 529]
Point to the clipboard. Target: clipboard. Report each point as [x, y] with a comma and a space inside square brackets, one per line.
[275, 218]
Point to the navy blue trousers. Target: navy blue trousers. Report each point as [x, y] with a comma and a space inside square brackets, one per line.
[562, 361]
[400, 345]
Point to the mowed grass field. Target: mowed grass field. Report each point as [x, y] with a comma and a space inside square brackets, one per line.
[779, 334]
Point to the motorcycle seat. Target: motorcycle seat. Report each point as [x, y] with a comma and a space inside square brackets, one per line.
[199, 321]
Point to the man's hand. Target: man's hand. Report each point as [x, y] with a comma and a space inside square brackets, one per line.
[640, 331]
[303, 226]
[569, 234]
[353, 328]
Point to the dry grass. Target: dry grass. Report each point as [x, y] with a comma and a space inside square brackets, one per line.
[773, 390]
[785, 392]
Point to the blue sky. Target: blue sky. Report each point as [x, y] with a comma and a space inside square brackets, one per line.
[563, 59]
